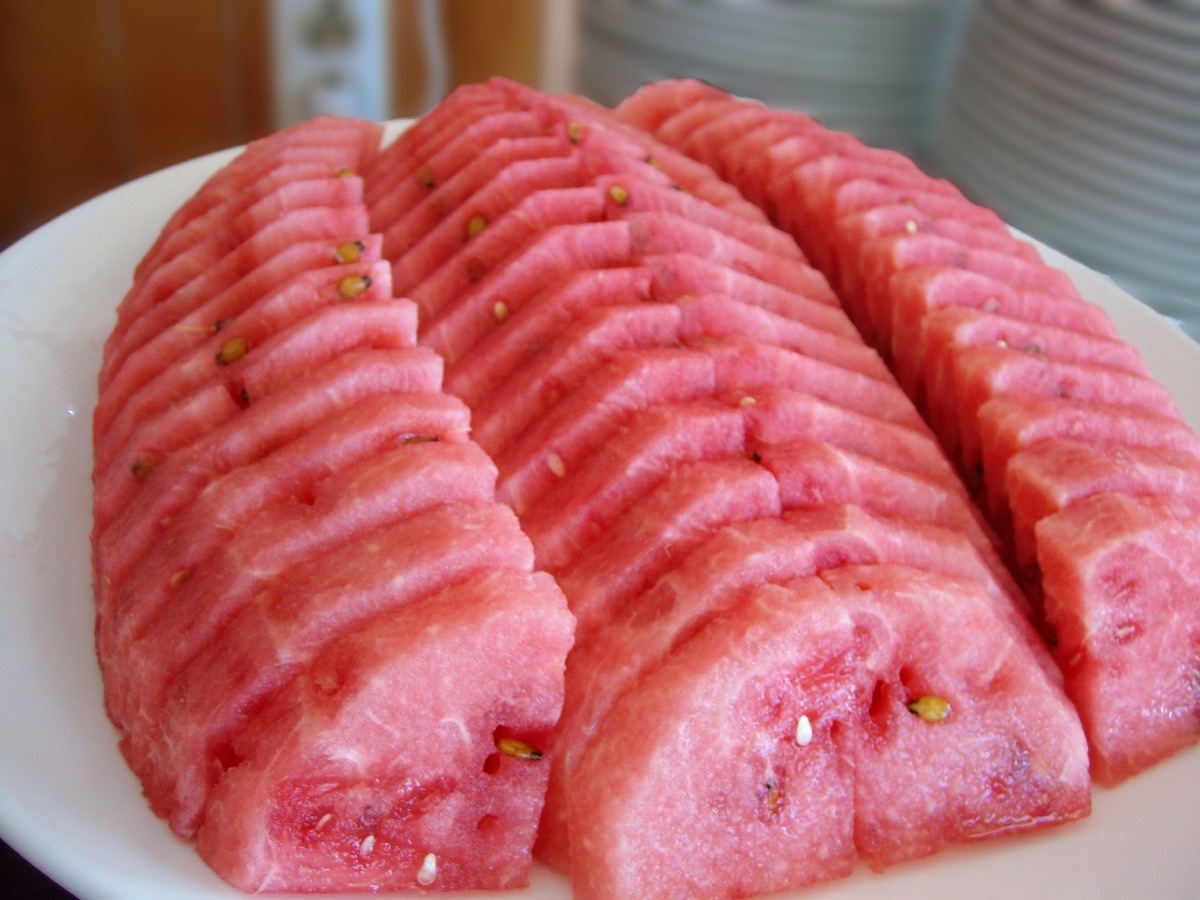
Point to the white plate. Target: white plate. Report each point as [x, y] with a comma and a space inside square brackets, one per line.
[69, 804]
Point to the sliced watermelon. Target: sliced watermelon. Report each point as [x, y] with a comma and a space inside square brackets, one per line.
[513, 407]
[1120, 577]
[496, 242]
[286, 620]
[637, 457]
[378, 767]
[784, 717]
[1054, 473]
[457, 316]
[666, 524]
[529, 329]
[682, 274]
[417, 248]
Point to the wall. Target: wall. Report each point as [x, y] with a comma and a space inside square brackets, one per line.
[98, 92]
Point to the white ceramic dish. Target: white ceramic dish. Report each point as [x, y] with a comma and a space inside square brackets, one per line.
[67, 801]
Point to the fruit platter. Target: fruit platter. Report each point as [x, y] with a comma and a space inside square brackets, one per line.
[83, 777]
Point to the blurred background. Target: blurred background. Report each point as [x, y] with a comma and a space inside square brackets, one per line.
[1078, 120]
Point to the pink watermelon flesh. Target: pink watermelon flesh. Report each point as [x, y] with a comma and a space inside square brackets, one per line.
[1120, 576]
[683, 274]
[470, 312]
[658, 233]
[289, 618]
[463, 109]
[1010, 755]
[649, 538]
[1010, 423]
[204, 269]
[780, 805]
[653, 104]
[478, 374]
[276, 342]
[782, 415]
[566, 436]
[570, 515]
[292, 474]
[631, 193]
[462, 167]
[377, 767]
[1053, 474]
[743, 365]
[718, 315]
[337, 141]
[134, 508]
[203, 281]
[977, 374]
[516, 408]
[950, 329]
[282, 188]
[417, 249]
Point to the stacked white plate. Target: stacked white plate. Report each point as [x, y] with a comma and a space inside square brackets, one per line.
[1080, 124]
[874, 68]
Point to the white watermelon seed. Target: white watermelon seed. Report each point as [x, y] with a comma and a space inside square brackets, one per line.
[367, 845]
[747, 401]
[428, 871]
[323, 821]
[556, 464]
[911, 226]
[804, 732]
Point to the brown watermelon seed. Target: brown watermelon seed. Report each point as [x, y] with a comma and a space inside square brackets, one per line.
[618, 194]
[421, 439]
[754, 456]
[349, 251]
[180, 577]
[425, 176]
[517, 749]
[771, 795]
[141, 468]
[575, 132]
[930, 708]
[219, 324]
[476, 225]
[500, 310]
[353, 285]
[232, 350]
[428, 871]
[345, 172]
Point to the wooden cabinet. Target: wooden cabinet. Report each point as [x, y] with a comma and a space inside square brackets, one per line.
[97, 92]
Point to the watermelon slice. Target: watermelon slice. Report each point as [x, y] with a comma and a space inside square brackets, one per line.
[773, 737]
[1120, 577]
[478, 374]
[355, 778]
[1054, 473]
